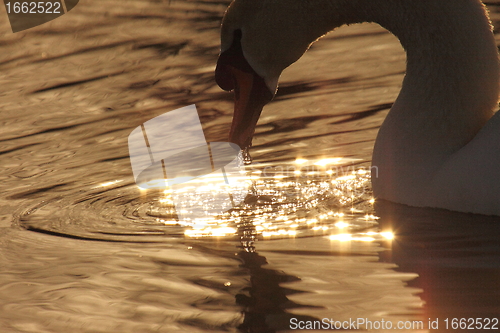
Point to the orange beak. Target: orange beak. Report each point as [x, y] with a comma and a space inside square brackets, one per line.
[250, 92]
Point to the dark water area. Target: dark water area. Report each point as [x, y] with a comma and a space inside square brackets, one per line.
[84, 249]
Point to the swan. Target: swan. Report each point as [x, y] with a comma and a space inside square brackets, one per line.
[439, 146]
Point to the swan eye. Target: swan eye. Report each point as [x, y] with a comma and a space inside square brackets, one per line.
[228, 60]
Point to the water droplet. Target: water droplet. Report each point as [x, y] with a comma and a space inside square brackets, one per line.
[245, 156]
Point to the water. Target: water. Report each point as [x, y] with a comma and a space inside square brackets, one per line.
[83, 249]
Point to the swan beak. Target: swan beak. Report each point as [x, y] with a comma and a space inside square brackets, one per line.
[250, 96]
[251, 93]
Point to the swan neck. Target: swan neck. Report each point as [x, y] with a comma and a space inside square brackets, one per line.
[452, 79]
[449, 93]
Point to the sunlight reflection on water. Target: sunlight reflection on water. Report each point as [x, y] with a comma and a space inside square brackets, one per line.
[304, 197]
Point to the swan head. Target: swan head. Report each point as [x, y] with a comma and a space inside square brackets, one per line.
[259, 39]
